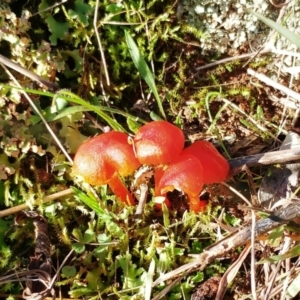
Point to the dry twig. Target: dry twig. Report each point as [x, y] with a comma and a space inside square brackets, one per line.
[18, 208]
[276, 85]
[236, 239]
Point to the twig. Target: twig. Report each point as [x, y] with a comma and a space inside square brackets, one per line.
[225, 60]
[253, 284]
[268, 158]
[236, 239]
[100, 44]
[18, 208]
[50, 7]
[246, 55]
[287, 103]
[232, 269]
[274, 84]
[8, 63]
[252, 120]
[60, 267]
[167, 289]
[22, 276]
[253, 261]
[237, 193]
[142, 200]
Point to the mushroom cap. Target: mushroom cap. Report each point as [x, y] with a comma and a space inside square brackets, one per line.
[101, 158]
[215, 166]
[184, 174]
[158, 142]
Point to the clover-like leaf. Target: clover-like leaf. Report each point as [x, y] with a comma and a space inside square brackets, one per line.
[78, 247]
[68, 271]
[89, 236]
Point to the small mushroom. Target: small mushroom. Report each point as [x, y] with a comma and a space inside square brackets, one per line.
[158, 143]
[215, 166]
[102, 159]
[184, 174]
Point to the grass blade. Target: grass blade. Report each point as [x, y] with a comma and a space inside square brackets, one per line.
[92, 203]
[291, 36]
[69, 96]
[84, 106]
[144, 70]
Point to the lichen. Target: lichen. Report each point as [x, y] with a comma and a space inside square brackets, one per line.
[230, 25]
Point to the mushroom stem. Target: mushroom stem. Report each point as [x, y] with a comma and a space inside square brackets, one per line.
[158, 173]
[119, 189]
[196, 204]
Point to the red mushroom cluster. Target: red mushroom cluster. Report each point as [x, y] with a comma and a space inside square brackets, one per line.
[102, 159]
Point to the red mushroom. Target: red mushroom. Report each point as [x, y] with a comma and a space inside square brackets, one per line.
[184, 174]
[215, 166]
[101, 159]
[158, 143]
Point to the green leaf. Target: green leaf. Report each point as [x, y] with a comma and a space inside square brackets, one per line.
[59, 30]
[77, 234]
[81, 11]
[291, 36]
[197, 247]
[69, 111]
[101, 251]
[69, 96]
[60, 103]
[133, 124]
[293, 252]
[78, 60]
[78, 247]
[93, 282]
[131, 274]
[164, 261]
[154, 116]
[114, 9]
[93, 204]
[43, 9]
[198, 277]
[166, 216]
[259, 113]
[144, 70]
[103, 238]
[89, 236]
[79, 292]
[5, 256]
[115, 229]
[276, 233]
[68, 271]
